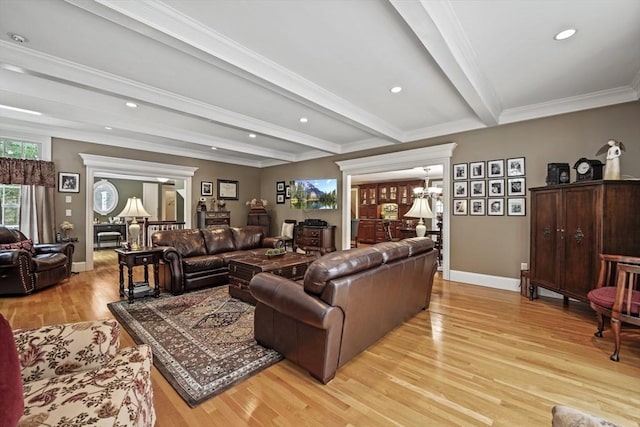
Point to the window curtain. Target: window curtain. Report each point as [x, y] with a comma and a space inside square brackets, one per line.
[37, 185]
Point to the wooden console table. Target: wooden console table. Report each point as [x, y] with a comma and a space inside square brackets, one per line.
[140, 257]
[315, 238]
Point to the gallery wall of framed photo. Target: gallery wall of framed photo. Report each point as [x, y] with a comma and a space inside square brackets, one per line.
[490, 187]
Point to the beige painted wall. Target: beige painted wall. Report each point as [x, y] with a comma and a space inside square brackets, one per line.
[66, 158]
[495, 245]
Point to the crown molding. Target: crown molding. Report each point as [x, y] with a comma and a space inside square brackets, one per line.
[570, 104]
[449, 128]
[135, 167]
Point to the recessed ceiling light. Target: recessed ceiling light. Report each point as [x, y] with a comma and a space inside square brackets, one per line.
[563, 35]
[214, 148]
[395, 89]
[131, 104]
[108, 128]
[17, 38]
[13, 68]
[252, 135]
[303, 120]
[20, 110]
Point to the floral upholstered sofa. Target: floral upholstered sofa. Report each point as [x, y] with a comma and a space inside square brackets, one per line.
[75, 374]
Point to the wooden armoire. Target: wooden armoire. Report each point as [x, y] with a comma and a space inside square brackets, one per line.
[572, 224]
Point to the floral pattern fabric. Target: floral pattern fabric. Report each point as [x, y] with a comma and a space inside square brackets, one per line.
[73, 374]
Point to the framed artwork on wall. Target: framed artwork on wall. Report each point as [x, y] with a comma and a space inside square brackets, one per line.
[287, 192]
[516, 207]
[227, 190]
[460, 171]
[280, 198]
[516, 187]
[515, 167]
[476, 170]
[477, 207]
[495, 168]
[206, 188]
[496, 206]
[460, 207]
[460, 189]
[478, 188]
[68, 182]
[280, 187]
[496, 188]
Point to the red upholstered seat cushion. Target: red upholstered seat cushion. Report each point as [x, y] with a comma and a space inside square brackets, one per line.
[11, 393]
[606, 295]
[27, 245]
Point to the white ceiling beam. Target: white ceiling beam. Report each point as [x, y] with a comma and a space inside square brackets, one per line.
[440, 32]
[169, 21]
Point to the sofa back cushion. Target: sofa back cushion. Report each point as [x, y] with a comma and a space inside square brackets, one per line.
[218, 240]
[8, 235]
[392, 251]
[339, 264]
[418, 245]
[249, 237]
[188, 242]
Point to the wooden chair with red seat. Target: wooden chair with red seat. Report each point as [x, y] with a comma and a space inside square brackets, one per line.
[617, 295]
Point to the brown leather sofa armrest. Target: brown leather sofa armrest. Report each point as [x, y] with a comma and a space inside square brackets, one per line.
[173, 259]
[10, 258]
[290, 299]
[48, 248]
[272, 242]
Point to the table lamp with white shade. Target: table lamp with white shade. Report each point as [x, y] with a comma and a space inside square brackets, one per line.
[134, 209]
[420, 209]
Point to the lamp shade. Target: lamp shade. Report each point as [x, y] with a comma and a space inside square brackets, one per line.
[134, 209]
[420, 208]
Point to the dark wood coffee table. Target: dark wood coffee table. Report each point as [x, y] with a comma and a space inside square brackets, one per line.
[291, 265]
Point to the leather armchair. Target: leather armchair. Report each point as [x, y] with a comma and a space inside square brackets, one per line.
[26, 267]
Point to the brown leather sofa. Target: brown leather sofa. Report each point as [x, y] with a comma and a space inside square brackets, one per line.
[348, 300]
[196, 258]
[26, 267]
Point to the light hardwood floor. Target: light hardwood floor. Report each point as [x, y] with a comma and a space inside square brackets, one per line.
[477, 357]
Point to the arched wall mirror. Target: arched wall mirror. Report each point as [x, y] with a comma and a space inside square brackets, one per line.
[105, 197]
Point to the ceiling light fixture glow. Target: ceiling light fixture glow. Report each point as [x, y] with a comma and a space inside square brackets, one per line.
[20, 110]
[252, 135]
[303, 120]
[108, 128]
[214, 148]
[131, 104]
[563, 35]
[13, 68]
[396, 89]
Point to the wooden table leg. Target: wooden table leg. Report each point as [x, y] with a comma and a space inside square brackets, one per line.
[131, 285]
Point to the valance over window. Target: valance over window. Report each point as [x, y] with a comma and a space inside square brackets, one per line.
[27, 172]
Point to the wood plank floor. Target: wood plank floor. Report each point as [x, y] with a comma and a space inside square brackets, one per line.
[478, 357]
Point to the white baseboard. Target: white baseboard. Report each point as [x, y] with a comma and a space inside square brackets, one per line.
[496, 282]
[77, 267]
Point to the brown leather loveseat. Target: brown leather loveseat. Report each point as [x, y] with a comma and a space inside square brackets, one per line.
[26, 267]
[196, 258]
[348, 300]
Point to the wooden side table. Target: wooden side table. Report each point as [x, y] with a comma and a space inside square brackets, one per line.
[140, 257]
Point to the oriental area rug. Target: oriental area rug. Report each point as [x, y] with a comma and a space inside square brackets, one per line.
[202, 341]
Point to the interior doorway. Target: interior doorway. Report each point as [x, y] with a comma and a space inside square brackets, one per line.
[421, 157]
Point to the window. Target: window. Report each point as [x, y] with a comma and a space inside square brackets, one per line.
[10, 194]
[105, 197]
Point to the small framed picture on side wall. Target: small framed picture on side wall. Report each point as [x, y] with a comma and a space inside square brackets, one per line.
[68, 182]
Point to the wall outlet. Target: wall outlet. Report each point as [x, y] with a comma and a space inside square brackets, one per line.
[524, 266]
[67, 199]
[67, 212]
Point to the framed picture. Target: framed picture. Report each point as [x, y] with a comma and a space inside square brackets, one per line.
[287, 192]
[495, 168]
[476, 170]
[227, 190]
[280, 187]
[515, 167]
[280, 198]
[478, 188]
[68, 182]
[516, 207]
[460, 171]
[460, 189]
[496, 188]
[477, 207]
[516, 187]
[206, 188]
[460, 207]
[496, 206]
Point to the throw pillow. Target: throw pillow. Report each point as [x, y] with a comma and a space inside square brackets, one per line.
[27, 245]
[10, 377]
